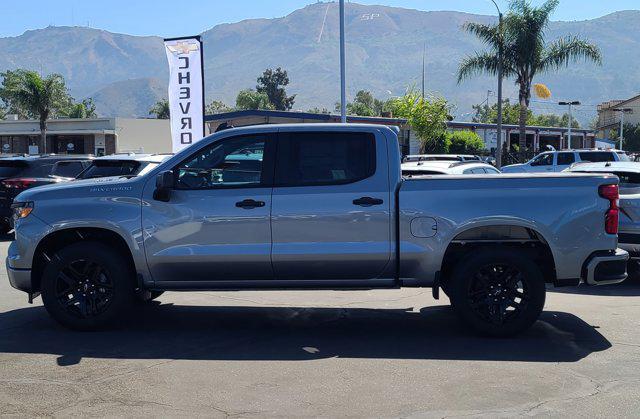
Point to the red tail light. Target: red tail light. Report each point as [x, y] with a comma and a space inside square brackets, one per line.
[612, 216]
[18, 183]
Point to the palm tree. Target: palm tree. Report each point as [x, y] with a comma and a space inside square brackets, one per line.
[161, 109]
[37, 96]
[525, 52]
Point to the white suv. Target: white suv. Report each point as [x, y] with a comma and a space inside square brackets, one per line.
[557, 161]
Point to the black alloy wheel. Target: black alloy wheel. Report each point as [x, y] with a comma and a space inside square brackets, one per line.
[88, 286]
[497, 291]
[84, 288]
[498, 294]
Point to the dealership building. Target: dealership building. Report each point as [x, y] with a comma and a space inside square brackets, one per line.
[117, 135]
[537, 137]
[97, 136]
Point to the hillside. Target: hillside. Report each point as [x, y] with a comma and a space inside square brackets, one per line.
[127, 74]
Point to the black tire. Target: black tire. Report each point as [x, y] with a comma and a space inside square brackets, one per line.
[497, 292]
[87, 286]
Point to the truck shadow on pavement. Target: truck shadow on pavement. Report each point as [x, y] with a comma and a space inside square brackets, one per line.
[166, 331]
[629, 288]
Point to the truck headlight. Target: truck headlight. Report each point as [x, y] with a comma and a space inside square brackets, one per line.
[21, 209]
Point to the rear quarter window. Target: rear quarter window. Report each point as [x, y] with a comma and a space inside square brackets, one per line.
[597, 156]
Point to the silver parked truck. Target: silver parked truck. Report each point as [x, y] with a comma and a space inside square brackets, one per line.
[313, 206]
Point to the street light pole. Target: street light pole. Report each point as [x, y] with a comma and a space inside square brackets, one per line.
[500, 52]
[570, 104]
[343, 69]
[622, 112]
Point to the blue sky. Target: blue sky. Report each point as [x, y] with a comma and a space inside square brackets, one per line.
[185, 17]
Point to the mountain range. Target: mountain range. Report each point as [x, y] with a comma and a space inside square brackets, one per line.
[126, 74]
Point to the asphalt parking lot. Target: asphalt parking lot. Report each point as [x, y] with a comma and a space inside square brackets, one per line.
[300, 354]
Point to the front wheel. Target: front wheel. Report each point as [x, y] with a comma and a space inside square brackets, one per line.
[498, 292]
[87, 286]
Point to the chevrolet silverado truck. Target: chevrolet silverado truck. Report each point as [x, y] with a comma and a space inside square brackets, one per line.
[313, 206]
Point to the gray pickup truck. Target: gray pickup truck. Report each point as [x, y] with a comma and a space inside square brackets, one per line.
[313, 207]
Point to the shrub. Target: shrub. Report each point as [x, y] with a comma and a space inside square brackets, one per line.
[465, 142]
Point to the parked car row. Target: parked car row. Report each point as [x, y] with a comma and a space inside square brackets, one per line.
[19, 173]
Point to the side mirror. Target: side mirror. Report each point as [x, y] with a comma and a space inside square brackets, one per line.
[164, 184]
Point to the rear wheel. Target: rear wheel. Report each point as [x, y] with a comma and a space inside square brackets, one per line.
[497, 292]
[87, 286]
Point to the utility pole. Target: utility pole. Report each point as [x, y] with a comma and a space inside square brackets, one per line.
[622, 112]
[500, 53]
[424, 53]
[488, 108]
[343, 69]
[570, 104]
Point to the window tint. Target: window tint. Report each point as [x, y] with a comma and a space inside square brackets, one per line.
[628, 179]
[476, 171]
[324, 158]
[543, 160]
[410, 173]
[10, 168]
[565, 159]
[233, 162]
[108, 168]
[38, 169]
[491, 170]
[597, 156]
[67, 168]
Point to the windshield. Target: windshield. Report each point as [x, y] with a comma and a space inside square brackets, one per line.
[108, 168]
[623, 156]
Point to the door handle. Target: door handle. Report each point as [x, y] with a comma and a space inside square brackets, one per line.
[250, 204]
[367, 201]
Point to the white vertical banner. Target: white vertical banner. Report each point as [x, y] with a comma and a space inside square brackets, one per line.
[186, 90]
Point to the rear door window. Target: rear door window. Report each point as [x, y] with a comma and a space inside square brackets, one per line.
[597, 156]
[565, 159]
[325, 158]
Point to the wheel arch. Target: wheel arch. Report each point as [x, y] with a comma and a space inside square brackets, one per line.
[512, 236]
[58, 239]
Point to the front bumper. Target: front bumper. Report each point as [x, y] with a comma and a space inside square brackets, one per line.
[606, 268]
[20, 279]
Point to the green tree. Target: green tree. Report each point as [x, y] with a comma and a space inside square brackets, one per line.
[525, 50]
[465, 142]
[427, 117]
[319, 110]
[161, 109]
[631, 138]
[365, 104]
[553, 120]
[510, 113]
[37, 96]
[273, 83]
[216, 107]
[82, 110]
[250, 99]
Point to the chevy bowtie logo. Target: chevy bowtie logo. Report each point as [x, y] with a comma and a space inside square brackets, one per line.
[183, 47]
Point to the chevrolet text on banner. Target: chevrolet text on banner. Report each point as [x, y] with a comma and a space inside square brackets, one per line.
[186, 90]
